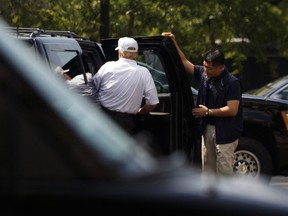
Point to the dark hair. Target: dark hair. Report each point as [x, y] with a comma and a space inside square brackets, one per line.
[215, 56]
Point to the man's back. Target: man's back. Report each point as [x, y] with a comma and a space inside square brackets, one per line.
[122, 84]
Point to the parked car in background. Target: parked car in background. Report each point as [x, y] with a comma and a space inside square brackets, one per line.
[59, 155]
[266, 125]
[265, 145]
[265, 136]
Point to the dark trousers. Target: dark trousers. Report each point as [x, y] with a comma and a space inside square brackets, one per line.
[124, 120]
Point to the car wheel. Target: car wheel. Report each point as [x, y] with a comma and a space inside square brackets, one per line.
[252, 159]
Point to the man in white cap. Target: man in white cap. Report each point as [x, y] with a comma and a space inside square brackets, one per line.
[122, 85]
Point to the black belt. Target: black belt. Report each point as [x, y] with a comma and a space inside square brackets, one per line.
[116, 112]
[125, 120]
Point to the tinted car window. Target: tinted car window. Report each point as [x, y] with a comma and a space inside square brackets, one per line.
[152, 62]
[276, 88]
[66, 59]
[92, 60]
[281, 93]
[264, 90]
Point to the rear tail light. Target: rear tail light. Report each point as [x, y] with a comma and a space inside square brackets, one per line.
[285, 118]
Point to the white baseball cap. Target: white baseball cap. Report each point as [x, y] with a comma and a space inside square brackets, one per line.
[127, 44]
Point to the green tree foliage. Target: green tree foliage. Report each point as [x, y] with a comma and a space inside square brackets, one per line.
[259, 25]
[81, 17]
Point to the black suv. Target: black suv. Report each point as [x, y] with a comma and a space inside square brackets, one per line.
[170, 127]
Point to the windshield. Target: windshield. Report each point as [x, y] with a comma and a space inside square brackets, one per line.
[269, 88]
[262, 91]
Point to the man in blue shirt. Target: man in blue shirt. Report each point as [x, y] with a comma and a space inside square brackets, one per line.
[219, 109]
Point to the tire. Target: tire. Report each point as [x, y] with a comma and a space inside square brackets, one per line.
[252, 159]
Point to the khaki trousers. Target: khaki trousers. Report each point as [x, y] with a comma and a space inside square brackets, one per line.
[217, 158]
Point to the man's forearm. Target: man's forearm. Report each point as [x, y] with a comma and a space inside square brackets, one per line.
[146, 109]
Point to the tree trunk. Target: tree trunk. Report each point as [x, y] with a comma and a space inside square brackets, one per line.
[104, 19]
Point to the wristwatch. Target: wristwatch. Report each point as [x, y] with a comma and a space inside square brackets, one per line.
[207, 112]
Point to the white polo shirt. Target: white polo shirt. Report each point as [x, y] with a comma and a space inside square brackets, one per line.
[122, 84]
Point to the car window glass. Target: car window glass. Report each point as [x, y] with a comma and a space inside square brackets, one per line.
[282, 94]
[92, 61]
[152, 62]
[67, 60]
[265, 89]
[88, 61]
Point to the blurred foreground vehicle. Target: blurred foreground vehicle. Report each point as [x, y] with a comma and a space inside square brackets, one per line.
[59, 155]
